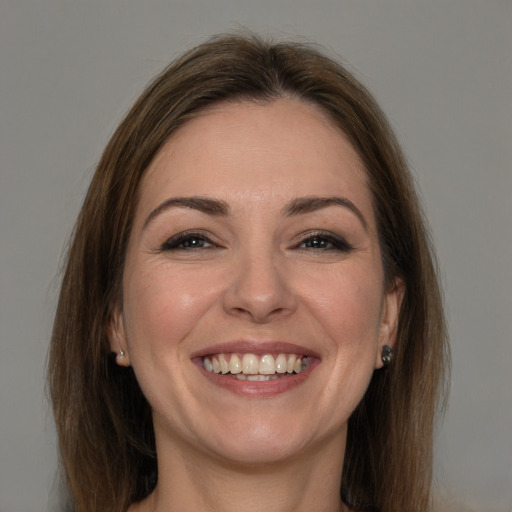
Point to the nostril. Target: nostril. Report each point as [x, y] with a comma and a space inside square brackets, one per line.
[259, 291]
[259, 316]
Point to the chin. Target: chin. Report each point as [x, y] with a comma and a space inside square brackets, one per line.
[255, 441]
[260, 447]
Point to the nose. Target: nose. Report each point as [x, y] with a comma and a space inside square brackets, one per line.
[259, 290]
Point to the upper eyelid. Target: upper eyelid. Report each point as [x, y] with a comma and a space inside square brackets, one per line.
[321, 234]
[329, 236]
[296, 240]
[183, 236]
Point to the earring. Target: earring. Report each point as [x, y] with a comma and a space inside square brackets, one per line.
[387, 355]
[121, 358]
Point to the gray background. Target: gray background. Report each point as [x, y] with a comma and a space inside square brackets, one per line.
[442, 71]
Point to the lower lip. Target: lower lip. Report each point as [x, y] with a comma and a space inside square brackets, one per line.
[258, 389]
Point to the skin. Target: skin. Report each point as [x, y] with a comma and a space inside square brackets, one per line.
[257, 275]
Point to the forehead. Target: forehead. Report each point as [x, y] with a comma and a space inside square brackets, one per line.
[257, 151]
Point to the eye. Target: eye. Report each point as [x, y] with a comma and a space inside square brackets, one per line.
[187, 242]
[324, 242]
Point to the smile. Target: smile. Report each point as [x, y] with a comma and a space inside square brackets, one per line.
[254, 367]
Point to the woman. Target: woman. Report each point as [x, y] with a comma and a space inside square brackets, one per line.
[250, 317]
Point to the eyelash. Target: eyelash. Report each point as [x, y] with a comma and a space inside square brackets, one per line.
[336, 243]
[179, 241]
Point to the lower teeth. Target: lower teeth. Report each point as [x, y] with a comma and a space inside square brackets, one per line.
[257, 378]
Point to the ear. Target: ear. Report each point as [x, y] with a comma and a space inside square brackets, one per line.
[389, 318]
[117, 338]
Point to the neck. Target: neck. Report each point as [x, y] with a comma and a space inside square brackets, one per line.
[191, 480]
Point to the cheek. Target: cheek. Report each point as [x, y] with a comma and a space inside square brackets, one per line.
[346, 313]
[349, 307]
[162, 306]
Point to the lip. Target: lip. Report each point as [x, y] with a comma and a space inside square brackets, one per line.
[263, 389]
[255, 347]
[256, 389]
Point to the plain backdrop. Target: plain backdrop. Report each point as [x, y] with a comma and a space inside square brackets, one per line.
[442, 70]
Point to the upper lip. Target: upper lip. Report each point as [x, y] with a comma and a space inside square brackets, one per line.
[255, 347]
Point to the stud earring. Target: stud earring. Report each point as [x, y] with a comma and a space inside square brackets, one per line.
[387, 355]
[121, 358]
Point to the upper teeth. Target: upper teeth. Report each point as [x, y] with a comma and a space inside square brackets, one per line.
[251, 364]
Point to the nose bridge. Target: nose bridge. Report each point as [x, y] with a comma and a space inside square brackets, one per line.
[259, 287]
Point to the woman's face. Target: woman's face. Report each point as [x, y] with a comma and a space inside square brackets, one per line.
[253, 308]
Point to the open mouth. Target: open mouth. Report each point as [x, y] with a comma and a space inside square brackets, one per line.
[254, 367]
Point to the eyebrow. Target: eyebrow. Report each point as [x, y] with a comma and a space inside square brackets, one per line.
[310, 204]
[217, 207]
[203, 204]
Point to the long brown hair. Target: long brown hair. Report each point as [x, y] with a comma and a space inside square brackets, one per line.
[103, 421]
